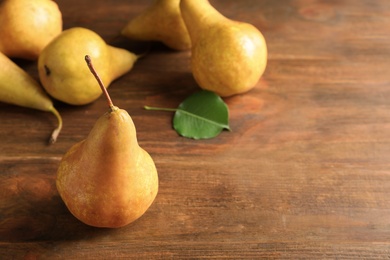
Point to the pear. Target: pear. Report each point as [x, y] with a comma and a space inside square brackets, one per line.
[63, 75]
[162, 22]
[108, 180]
[227, 57]
[17, 87]
[28, 26]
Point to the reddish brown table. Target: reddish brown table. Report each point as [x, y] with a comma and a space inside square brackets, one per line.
[304, 174]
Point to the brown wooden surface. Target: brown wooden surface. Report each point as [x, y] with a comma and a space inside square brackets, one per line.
[305, 172]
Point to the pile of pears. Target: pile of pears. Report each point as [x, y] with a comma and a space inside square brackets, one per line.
[108, 180]
[32, 30]
[26, 27]
[227, 57]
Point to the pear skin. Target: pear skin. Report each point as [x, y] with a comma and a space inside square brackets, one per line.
[17, 87]
[63, 75]
[28, 26]
[162, 22]
[227, 57]
[108, 180]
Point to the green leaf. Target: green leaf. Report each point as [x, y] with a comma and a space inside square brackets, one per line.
[202, 115]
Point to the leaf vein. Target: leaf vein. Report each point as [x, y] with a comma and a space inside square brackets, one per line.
[203, 118]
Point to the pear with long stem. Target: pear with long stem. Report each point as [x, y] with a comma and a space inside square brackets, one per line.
[17, 87]
[108, 180]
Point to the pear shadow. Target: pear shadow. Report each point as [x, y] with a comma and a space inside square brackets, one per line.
[120, 41]
[140, 47]
[172, 89]
[32, 210]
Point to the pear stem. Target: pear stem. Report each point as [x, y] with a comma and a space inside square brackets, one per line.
[56, 131]
[160, 109]
[99, 80]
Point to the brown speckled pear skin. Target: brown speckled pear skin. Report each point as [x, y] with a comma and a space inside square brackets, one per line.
[227, 57]
[108, 180]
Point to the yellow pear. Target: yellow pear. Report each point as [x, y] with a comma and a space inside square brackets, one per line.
[227, 57]
[26, 27]
[162, 22]
[63, 75]
[17, 87]
[108, 180]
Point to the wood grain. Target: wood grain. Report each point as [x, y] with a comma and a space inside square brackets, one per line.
[304, 174]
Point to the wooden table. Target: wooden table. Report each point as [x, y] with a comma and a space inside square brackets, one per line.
[304, 174]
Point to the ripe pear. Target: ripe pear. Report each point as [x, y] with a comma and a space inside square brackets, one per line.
[162, 22]
[26, 27]
[17, 87]
[63, 75]
[108, 180]
[227, 57]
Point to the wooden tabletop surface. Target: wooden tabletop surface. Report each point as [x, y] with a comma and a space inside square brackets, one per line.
[304, 173]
